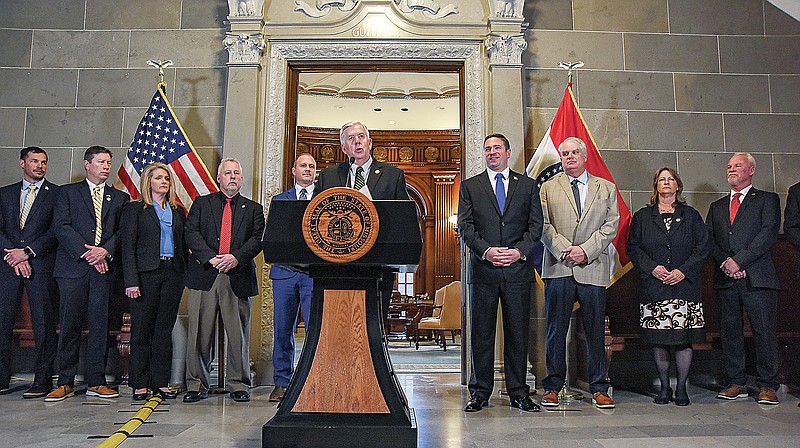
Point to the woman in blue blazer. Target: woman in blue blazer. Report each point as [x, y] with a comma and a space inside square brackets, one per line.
[154, 265]
[668, 245]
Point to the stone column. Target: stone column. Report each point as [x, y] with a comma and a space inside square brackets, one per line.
[445, 239]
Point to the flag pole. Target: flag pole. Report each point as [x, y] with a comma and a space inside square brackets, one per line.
[161, 65]
[566, 393]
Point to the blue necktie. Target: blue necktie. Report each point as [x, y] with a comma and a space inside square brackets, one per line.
[500, 192]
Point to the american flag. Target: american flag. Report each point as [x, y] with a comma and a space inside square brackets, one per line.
[161, 138]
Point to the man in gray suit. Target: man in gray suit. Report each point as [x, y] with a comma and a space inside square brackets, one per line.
[581, 216]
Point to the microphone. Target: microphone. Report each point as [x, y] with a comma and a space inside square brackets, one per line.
[350, 162]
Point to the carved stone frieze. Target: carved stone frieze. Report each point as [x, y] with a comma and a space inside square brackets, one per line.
[244, 49]
[505, 50]
[245, 8]
[321, 8]
[506, 9]
[428, 8]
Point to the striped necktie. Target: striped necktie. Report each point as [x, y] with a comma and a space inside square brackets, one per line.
[359, 182]
[26, 208]
[97, 200]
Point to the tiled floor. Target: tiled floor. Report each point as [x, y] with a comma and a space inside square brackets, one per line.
[437, 400]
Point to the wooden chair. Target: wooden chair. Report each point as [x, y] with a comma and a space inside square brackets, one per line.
[449, 318]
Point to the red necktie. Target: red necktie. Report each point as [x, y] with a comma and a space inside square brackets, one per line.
[225, 230]
[735, 203]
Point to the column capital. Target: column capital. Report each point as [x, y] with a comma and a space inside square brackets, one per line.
[505, 50]
[244, 49]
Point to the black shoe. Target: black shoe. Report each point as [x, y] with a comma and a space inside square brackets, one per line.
[5, 388]
[240, 396]
[475, 404]
[139, 397]
[681, 397]
[38, 391]
[525, 404]
[194, 396]
[663, 397]
[165, 395]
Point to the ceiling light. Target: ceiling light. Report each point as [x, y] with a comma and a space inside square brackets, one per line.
[338, 107]
[377, 109]
[442, 108]
[392, 122]
[404, 109]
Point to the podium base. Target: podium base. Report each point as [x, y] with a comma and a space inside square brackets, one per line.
[302, 434]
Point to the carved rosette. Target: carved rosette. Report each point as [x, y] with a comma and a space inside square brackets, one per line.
[505, 50]
[380, 153]
[244, 49]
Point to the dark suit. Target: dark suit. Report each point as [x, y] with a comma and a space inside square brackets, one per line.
[483, 225]
[160, 282]
[292, 289]
[748, 241]
[791, 223]
[384, 182]
[42, 291]
[212, 291]
[84, 291]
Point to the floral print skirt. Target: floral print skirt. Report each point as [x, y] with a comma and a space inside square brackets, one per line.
[672, 322]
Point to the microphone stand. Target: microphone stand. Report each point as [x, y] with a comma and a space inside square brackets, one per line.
[350, 162]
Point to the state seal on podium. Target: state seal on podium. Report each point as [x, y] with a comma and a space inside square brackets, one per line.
[340, 225]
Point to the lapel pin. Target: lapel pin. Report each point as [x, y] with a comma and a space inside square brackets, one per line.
[377, 171]
[46, 187]
[677, 219]
[515, 177]
[242, 205]
[108, 198]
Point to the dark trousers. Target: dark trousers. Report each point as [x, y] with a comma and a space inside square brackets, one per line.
[153, 316]
[290, 295]
[42, 297]
[761, 306]
[515, 299]
[84, 298]
[560, 295]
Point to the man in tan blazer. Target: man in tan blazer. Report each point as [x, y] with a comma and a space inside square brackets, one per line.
[581, 217]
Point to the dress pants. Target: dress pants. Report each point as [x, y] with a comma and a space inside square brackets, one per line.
[153, 317]
[83, 298]
[515, 301]
[235, 312]
[42, 297]
[290, 294]
[560, 295]
[761, 306]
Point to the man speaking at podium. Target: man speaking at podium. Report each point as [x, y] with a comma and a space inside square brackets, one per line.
[378, 181]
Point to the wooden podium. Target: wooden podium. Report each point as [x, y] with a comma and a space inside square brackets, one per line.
[344, 391]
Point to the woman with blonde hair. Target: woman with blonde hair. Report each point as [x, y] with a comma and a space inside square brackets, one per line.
[668, 245]
[154, 265]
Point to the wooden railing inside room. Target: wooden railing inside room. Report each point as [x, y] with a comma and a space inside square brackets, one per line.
[431, 161]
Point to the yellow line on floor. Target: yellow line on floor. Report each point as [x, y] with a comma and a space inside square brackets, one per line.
[132, 424]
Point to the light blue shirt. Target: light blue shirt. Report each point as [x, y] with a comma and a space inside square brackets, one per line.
[165, 220]
[25, 190]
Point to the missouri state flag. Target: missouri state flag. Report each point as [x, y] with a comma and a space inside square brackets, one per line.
[546, 163]
[161, 138]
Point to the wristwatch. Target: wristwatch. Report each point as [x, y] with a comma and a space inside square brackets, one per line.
[27, 251]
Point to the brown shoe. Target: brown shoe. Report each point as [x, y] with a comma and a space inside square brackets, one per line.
[102, 392]
[601, 400]
[60, 393]
[277, 394]
[767, 396]
[550, 398]
[733, 392]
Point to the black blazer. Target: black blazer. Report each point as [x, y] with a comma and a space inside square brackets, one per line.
[384, 181]
[748, 240]
[791, 223]
[684, 247]
[202, 238]
[482, 225]
[38, 233]
[74, 223]
[141, 241]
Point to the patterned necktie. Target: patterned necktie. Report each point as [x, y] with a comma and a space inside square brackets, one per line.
[303, 195]
[225, 230]
[735, 203]
[97, 200]
[359, 182]
[26, 208]
[577, 194]
[500, 192]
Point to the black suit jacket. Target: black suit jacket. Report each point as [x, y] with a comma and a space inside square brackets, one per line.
[384, 181]
[202, 238]
[482, 225]
[684, 247]
[38, 233]
[748, 240]
[74, 225]
[791, 223]
[141, 241]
